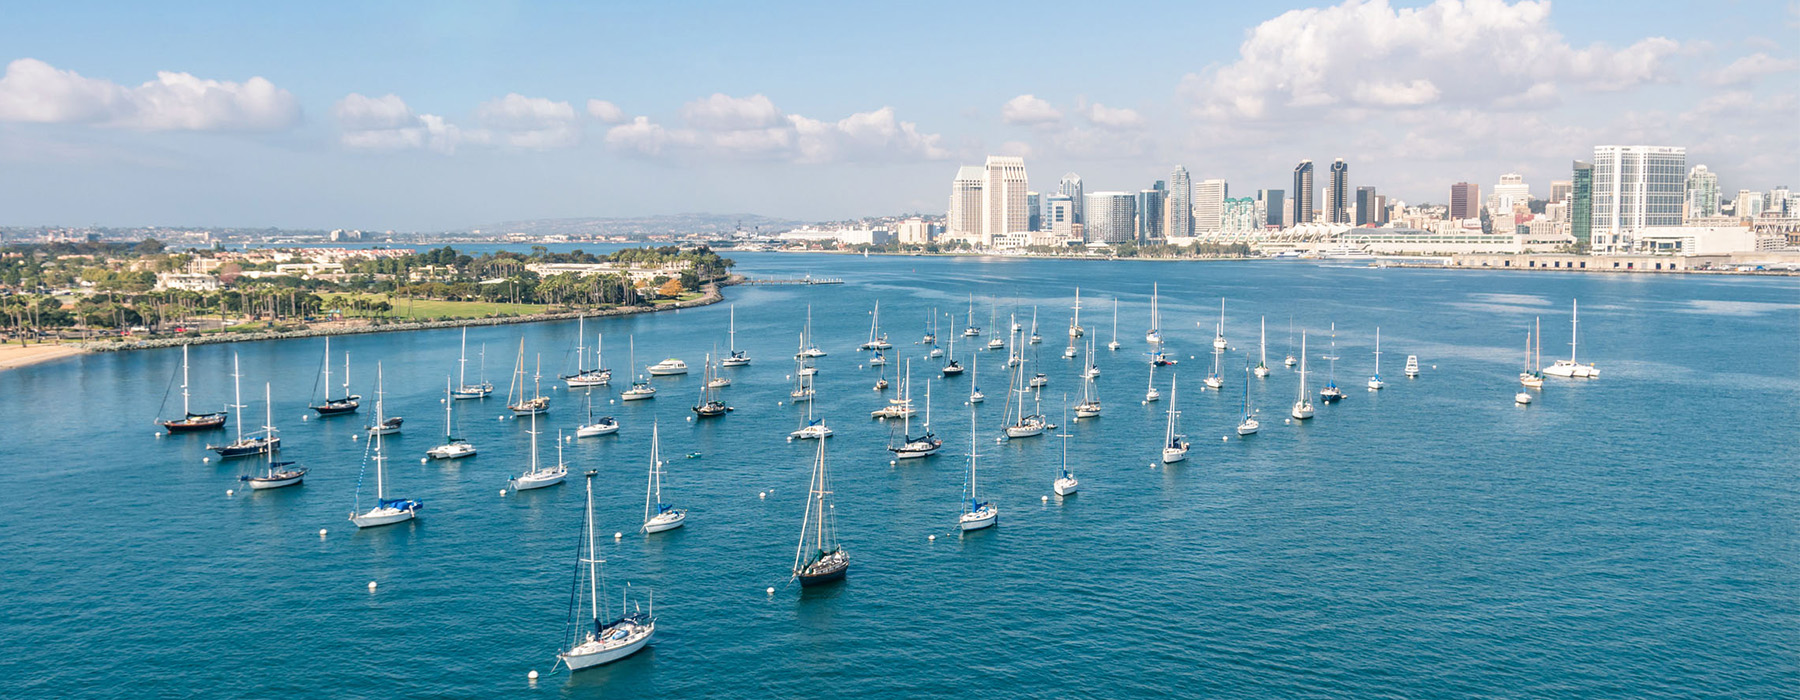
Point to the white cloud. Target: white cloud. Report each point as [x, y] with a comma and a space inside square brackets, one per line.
[1029, 110]
[1116, 118]
[606, 112]
[386, 124]
[722, 112]
[1455, 53]
[34, 91]
[1754, 66]
[529, 122]
[753, 128]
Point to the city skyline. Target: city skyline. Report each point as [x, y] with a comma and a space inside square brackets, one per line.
[417, 117]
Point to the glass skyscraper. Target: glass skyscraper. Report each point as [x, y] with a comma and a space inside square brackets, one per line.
[1581, 204]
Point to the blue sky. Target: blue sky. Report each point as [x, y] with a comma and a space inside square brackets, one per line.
[421, 116]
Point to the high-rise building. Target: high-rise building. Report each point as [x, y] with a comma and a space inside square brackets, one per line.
[1178, 212]
[1635, 187]
[1781, 201]
[1034, 211]
[1581, 203]
[1241, 215]
[915, 231]
[1368, 211]
[1209, 205]
[1559, 190]
[1702, 193]
[1112, 217]
[1512, 191]
[1302, 194]
[1071, 185]
[1273, 206]
[964, 222]
[1059, 217]
[1465, 200]
[1380, 215]
[1003, 198]
[1150, 213]
[1337, 205]
[1748, 205]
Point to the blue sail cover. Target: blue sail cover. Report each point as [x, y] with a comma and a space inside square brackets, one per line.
[401, 503]
[663, 508]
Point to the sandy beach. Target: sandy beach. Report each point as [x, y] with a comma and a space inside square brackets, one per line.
[15, 356]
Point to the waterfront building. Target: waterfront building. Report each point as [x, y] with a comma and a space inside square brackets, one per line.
[1748, 204]
[1302, 194]
[1702, 193]
[1465, 197]
[1241, 215]
[1178, 212]
[1209, 205]
[1559, 190]
[915, 231]
[1003, 198]
[1368, 210]
[1635, 187]
[1581, 203]
[1034, 211]
[1071, 186]
[1150, 207]
[1112, 217]
[1511, 192]
[965, 220]
[1275, 204]
[1337, 205]
[1059, 218]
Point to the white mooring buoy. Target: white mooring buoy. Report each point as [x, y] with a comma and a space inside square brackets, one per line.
[931, 538]
[230, 492]
[204, 460]
[762, 494]
[321, 533]
[371, 585]
[532, 675]
[770, 590]
[618, 535]
[502, 492]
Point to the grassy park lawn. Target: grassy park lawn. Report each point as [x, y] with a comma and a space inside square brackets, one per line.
[426, 309]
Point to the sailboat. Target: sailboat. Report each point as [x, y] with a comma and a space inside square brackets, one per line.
[972, 330]
[595, 427]
[658, 516]
[1570, 369]
[594, 643]
[331, 406]
[951, 366]
[808, 348]
[264, 443]
[736, 357]
[190, 421]
[277, 474]
[881, 382]
[537, 477]
[453, 447]
[922, 446]
[1330, 393]
[1075, 329]
[1289, 361]
[976, 514]
[640, 387]
[595, 376]
[516, 400]
[1090, 395]
[1262, 344]
[1375, 383]
[1303, 408]
[1533, 375]
[818, 558]
[386, 511]
[717, 380]
[877, 339]
[1020, 424]
[1154, 335]
[465, 390]
[811, 429]
[975, 395]
[1065, 484]
[994, 343]
[1216, 380]
[1150, 392]
[710, 406]
[803, 389]
[1219, 333]
[384, 424]
[1114, 343]
[930, 337]
[898, 407]
[1174, 444]
[878, 359]
[1247, 424]
[1035, 338]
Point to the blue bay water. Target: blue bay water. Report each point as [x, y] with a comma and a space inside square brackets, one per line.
[1634, 536]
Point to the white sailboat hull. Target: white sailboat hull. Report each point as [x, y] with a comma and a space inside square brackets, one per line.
[596, 430]
[1023, 431]
[377, 517]
[635, 395]
[265, 482]
[1171, 455]
[1522, 398]
[1248, 427]
[595, 653]
[811, 432]
[734, 362]
[1214, 382]
[1262, 372]
[666, 521]
[538, 480]
[1066, 486]
[455, 450]
[1152, 395]
[478, 391]
[978, 520]
[1302, 410]
[1088, 410]
[977, 397]
[1570, 370]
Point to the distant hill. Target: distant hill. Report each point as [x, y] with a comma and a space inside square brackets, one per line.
[639, 225]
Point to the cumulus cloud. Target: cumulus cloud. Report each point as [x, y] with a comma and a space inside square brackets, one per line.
[1029, 110]
[1754, 66]
[35, 91]
[606, 112]
[1119, 118]
[1452, 53]
[386, 124]
[529, 122]
[753, 128]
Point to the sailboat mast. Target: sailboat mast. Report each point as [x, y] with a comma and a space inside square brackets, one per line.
[731, 334]
[237, 399]
[819, 498]
[380, 477]
[184, 378]
[347, 375]
[905, 395]
[534, 442]
[580, 337]
[1574, 326]
[1263, 343]
[593, 558]
[462, 360]
[448, 403]
[327, 365]
[269, 421]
